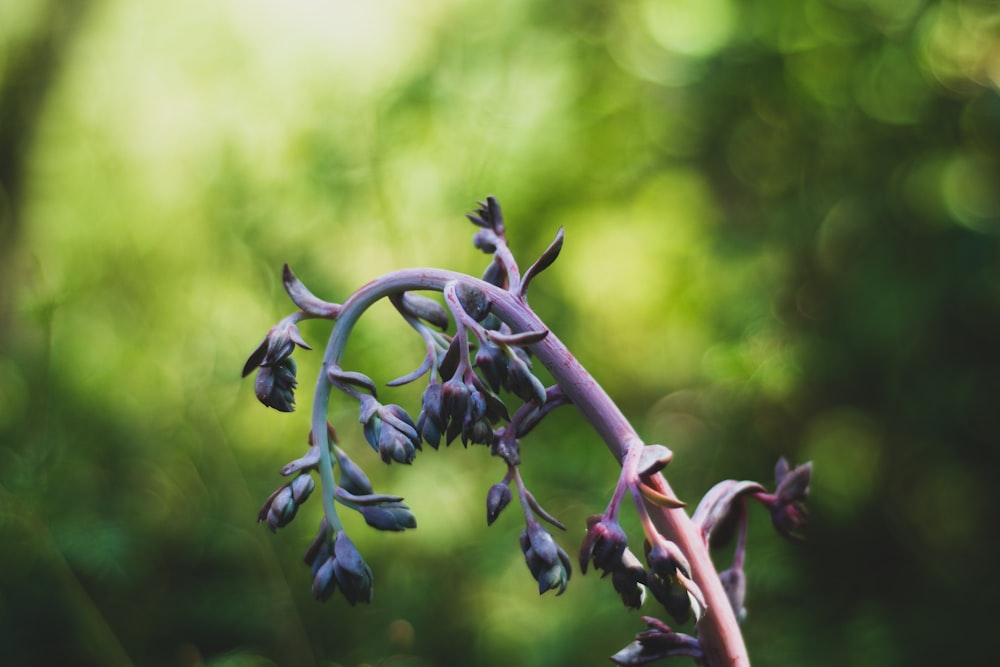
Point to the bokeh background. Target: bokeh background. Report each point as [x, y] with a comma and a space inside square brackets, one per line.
[782, 227]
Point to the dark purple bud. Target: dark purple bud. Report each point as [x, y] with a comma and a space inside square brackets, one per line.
[302, 486]
[629, 580]
[495, 274]
[548, 563]
[276, 346]
[352, 477]
[497, 498]
[657, 643]
[320, 548]
[431, 423]
[665, 563]
[604, 544]
[788, 509]
[282, 505]
[473, 300]
[354, 577]
[734, 582]
[521, 382]
[389, 516]
[486, 240]
[491, 361]
[275, 385]
[324, 581]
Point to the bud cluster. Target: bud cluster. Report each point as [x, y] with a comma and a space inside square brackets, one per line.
[337, 564]
[469, 375]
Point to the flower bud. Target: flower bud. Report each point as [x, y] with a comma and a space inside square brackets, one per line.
[734, 582]
[280, 508]
[390, 516]
[629, 580]
[657, 643]
[324, 580]
[521, 381]
[302, 486]
[431, 423]
[275, 385]
[354, 577]
[547, 562]
[277, 345]
[604, 544]
[788, 509]
[497, 498]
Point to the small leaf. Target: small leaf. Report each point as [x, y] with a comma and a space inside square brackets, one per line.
[518, 339]
[352, 378]
[657, 498]
[543, 262]
[424, 308]
[306, 300]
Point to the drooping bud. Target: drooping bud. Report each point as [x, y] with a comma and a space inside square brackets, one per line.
[282, 505]
[604, 544]
[788, 509]
[394, 517]
[734, 582]
[629, 579]
[354, 577]
[657, 643]
[547, 562]
[275, 385]
[497, 498]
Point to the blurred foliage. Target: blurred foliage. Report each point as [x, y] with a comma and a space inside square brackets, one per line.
[782, 228]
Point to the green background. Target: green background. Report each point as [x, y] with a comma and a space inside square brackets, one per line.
[781, 226]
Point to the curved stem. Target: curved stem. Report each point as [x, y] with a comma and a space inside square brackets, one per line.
[719, 632]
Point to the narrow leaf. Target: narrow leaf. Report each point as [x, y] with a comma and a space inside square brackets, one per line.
[519, 339]
[306, 300]
[657, 498]
[543, 262]
[351, 378]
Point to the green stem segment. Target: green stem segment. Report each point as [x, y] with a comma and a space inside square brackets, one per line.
[719, 633]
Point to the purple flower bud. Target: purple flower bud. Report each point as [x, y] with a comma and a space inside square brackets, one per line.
[431, 422]
[352, 477]
[354, 577]
[547, 562]
[491, 361]
[629, 580]
[521, 381]
[474, 301]
[734, 582]
[665, 561]
[497, 498]
[788, 510]
[390, 516]
[276, 346]
[302, 486]
[324, 581]
[280, 508]
[604, 544]
[657, 643]
[275, 385]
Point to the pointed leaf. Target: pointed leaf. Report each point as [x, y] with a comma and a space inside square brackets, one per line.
[543, 262]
